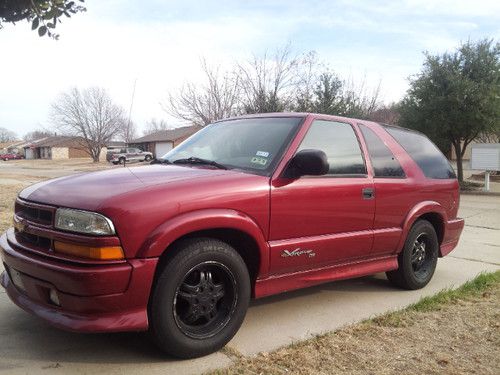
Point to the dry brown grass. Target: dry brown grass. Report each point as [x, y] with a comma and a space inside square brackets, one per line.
[460, 336]
[8, 195]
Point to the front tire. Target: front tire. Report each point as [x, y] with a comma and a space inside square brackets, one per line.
[417, 262]
[147, 158]
[200, 298]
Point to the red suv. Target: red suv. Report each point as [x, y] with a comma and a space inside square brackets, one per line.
[246, 207]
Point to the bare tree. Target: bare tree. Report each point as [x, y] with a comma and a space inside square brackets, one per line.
[154, 125]
[386, 114]
[268, 84]
[202, 104]
[37, 134]
[127, 131]
[358, 99]
[307, 80]
[7, 135]
[89, 114]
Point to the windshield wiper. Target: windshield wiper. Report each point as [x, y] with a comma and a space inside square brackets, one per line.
[161, 161]
[195, 160]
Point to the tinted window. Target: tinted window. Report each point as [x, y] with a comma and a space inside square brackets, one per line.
[253, 144]
[340, 144]
[383, 161]
[423, 152]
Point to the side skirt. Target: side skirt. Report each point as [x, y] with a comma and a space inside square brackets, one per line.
[291, 281]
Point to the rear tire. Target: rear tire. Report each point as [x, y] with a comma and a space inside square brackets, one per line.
[417, 262]
[200, 298]
[121, 161]
[147, 158]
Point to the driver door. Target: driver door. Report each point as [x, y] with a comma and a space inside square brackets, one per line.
[317, 221]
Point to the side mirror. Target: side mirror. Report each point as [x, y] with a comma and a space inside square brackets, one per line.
[307, 163]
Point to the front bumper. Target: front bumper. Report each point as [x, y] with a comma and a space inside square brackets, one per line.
[92, 298]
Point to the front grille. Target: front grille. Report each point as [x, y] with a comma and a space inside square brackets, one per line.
[33, 240]
[34, 213]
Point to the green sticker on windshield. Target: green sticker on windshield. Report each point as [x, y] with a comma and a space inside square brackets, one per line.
[258, 160]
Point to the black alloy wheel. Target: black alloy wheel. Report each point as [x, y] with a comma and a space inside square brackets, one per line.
[205, 300]
[199, 298]
[417, 261]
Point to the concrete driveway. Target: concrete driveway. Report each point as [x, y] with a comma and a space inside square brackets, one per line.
[30, 346]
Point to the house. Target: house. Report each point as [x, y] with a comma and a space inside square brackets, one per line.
[56, 147]
[161, 142]
[12, 147]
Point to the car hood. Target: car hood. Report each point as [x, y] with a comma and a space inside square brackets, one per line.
[87, 191]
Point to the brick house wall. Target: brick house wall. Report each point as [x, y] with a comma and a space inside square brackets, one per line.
[58, 153]
[74, 152]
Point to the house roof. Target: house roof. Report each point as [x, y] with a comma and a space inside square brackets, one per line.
[168, 135]
[58, 140]
[115, 144]
[9, 144]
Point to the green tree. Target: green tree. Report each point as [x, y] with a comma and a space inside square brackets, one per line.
[328, 95]
[456, 97]
[43, 14]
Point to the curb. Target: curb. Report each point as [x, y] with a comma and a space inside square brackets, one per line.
[479, 192]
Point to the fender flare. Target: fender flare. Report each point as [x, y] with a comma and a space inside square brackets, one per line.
[420, 209]
[171, 230]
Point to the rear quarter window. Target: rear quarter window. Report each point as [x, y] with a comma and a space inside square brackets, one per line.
[425, 153]
[383, 160]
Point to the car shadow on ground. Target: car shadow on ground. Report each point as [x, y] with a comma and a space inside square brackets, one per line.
[26, 337]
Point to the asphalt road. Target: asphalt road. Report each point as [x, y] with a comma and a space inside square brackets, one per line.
[28, 345]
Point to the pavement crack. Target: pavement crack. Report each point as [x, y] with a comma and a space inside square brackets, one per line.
[481, 226]
[475, 260]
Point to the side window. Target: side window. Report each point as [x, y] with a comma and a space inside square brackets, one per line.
[427, 156]
[340, 144]
[383, 161]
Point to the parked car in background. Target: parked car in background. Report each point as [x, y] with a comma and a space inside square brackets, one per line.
[246, 207]
[128, 154]
[11, 156]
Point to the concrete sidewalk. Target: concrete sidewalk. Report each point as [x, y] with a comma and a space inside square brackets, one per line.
[30, 346]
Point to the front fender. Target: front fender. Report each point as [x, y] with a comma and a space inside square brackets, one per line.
[165, 234]
[421, 209]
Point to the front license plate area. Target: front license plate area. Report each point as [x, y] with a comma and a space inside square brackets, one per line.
[16, 278]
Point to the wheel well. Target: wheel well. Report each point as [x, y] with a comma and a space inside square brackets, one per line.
[242, 242]
[437, 222]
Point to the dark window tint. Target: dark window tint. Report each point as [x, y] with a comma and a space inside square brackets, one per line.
[424, 153]
[340, 145]
[383, 161]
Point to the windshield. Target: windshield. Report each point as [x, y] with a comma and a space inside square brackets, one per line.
[254, 144]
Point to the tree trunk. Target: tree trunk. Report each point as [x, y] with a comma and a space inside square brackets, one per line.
[458, 154]
[95, 155]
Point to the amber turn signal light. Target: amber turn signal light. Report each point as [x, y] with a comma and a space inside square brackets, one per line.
[100, 253]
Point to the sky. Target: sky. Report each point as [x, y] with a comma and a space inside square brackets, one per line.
[158, 45]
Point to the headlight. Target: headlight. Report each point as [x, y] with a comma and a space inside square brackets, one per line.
[83, 222]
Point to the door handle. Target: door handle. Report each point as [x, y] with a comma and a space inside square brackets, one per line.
[368, 193]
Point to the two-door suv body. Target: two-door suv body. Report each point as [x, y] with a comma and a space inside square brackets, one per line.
[246, 207]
